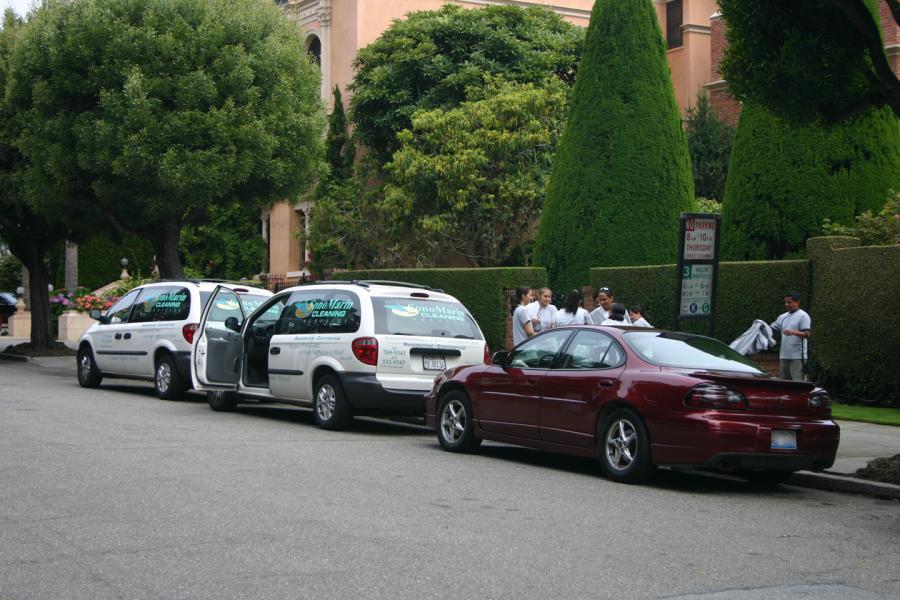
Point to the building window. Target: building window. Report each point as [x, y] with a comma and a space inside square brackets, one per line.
[314, 50]
[674, 21]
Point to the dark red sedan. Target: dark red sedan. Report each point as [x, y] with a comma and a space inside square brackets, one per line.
[637, 399]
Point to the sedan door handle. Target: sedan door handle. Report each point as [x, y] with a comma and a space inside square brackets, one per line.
[275, 350]
[118, 336]
[532, 381]
[605, 384]
[127, 336]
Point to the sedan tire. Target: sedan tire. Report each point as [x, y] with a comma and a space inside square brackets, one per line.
[330, 407]
[455, 429]
[88, 374]
[623, 446]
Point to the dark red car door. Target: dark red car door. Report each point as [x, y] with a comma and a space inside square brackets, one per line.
[585, 378]
[508, 398]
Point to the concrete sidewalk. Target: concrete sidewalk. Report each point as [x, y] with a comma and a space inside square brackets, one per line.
[860, 443]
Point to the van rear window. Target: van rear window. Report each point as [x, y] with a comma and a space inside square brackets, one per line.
[421, 317]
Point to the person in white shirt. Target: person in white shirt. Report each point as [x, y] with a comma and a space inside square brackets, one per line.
[542, 312]
[616, 315]
[605, 300]
[637, 316]
[522, 326]
[794, 326]
[572, 313]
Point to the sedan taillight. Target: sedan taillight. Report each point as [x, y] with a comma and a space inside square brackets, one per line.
[820, 399]
[713, 395]
[365, 349]
[188, 332]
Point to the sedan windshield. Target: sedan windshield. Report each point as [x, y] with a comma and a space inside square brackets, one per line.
[673, 349]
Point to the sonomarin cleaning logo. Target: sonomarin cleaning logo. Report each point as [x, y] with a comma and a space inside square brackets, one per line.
[428, 311]
[323, 309]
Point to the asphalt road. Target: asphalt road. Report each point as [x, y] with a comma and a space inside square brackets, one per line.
[113, 493]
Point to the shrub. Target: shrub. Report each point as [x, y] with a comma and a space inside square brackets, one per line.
[709, 141]
[784, 180]
[480, 290]
[872, 230]
[622, 173]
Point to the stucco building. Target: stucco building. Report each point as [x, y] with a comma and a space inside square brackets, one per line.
[335, 29]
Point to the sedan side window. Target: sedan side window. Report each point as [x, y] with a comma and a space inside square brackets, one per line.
[592, 350]
[539, 352]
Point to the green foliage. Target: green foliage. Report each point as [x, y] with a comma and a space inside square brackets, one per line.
[430, 59]
[709, 141]
[146, 112]
[99, 259]
[879, 229]
[468, 182]
[784, 179]
[622, 173]
[480, 290]
[807, 59]
[856, 355]
[226, 243]
[10, 273]
[706, 205]
[746, 291]
[339, 150]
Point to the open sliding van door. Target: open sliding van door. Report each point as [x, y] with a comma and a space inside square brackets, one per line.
[218, 349]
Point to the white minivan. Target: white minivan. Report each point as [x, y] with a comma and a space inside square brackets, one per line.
[343, 348]
[147, 334]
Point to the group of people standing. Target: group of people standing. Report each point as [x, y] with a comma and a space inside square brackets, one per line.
[533, 312]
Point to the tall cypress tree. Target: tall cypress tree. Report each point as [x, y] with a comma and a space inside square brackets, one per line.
[622, 173]
[785, 179]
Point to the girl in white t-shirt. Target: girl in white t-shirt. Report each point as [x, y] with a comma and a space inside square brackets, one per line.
[522, 326]
[572, 313]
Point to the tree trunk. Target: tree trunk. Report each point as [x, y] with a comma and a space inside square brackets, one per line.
[38, 280]
[71, 265]
[167, 250]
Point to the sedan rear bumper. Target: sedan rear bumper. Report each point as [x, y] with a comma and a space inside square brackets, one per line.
[733, 461]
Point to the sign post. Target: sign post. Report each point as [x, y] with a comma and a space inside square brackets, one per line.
[698, 268]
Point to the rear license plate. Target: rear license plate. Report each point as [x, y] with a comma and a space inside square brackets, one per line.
[784, 439]
[434, 363]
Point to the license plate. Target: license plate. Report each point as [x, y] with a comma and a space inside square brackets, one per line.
[784, 439]
[434, 363]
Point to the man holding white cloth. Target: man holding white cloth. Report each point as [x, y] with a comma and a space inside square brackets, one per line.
[794, 326]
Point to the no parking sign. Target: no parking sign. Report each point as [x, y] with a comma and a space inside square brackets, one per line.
[698, 268]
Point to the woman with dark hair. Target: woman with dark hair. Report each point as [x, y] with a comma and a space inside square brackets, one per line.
[521, 320]
[616, 315]
[572, 313]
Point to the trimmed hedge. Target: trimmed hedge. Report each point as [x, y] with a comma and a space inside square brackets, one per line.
[480, 290]
[856, 324]
[784, 180]
[746, 291]
[99, 259]
[622, 172]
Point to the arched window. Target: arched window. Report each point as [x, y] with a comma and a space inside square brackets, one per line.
[314, 50]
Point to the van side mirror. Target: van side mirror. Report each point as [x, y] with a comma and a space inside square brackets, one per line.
[98, 316]
[500, 358]
[233, 324]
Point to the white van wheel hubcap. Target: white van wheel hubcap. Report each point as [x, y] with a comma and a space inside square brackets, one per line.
[163, 376]
[325, 402]
[85, 366]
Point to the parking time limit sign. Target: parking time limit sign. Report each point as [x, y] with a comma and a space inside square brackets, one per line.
[698, 267]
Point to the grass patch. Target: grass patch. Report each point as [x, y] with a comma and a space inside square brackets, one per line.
[867, 414]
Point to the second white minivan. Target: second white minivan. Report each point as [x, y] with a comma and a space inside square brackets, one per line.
[343, 348]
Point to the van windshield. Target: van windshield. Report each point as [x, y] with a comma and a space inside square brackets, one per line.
[424, 317]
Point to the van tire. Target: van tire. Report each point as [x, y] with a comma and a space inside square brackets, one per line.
[88, 374]
[330, 407]
[167, 380]
[222, 401]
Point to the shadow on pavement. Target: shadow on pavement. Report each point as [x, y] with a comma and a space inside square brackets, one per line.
[359, 425]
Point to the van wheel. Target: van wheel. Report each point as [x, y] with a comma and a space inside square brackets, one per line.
[168, 382]
[222, 401]
[88, 374]
[624, 447]
[455, 429]
[330, 407]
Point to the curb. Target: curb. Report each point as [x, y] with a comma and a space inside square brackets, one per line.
[841, 483]
[13, 357]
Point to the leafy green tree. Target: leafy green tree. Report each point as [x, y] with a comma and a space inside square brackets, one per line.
[429, 60]
[785, 179]
[709, 142]
[226, 242]
[809, 59]
[469, 181]
[622, 173]
[29, 235]
[872, 229]
[150, 111]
